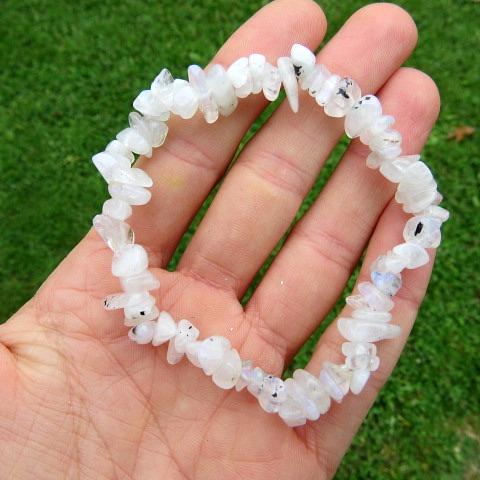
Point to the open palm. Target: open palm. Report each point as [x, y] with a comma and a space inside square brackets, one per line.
[79, 400]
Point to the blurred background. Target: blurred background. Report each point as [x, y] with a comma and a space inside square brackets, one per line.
[69, 72]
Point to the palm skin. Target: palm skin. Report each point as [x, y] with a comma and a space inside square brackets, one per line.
[80, 400]
[86, 402]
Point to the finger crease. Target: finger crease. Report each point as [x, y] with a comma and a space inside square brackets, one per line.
[329, 247]
[280, 170]
[191, 153]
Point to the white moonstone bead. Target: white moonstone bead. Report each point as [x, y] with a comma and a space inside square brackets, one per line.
[191, 351]
[327, 90]
[142, 333]
[423, 230]
[158, 131]
[416, 174]
[132, 176]
[357, 302]
[377, 127]
[415, 255]
[310, 407]
[222, 90]
[388, 144]
[374, 298]
[115, 233]
[143, 282]
[129, 260]
[118, 149]
[107, 163]
[256, 64]
[392, 262]
[417, 188]
[374, 160]
[374, 363]
[239, 73]
[359, 380]
[265, 402]
[362, 115]
[287, 75]
[173, 355]
[379, 264]
[131, 194]
[162, 87]
[350, 349]
[387, 282]
[436, 212]
[256, 381]
[274, 386]
[186, 333]
[313, 388]
[362, 361]
[122, 300]
[135, 141]
[336, 380]
[274, 393]
[315, 80]
[241, 77]
[228, 372]
[141, 310]
[394, 170]
[292, 413]
[151, 314]
[347, 93]
[246, 90]
[207, 104]
[147, 103]
[117, 209]
[211, 353]
[153, 129]
[245, 375]
[355, 330]
[303, 60]
[438, 198]
[271, 82]
[185, 99]
[165, 329]
[415, 202]
[371, 315]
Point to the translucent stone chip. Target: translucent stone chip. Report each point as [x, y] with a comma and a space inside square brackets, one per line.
[132, 194]
[165, 329]
[424, 231]
[222, 90]
[271, 82]
[362, 115]
[287, 75]
[228, 372]
[129, 260]
[356, 330]
[142, 333]
[303, 60]
[115, 233]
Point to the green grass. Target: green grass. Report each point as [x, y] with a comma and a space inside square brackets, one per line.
[69, 73]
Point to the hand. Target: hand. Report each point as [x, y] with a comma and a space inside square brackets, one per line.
[80, 400]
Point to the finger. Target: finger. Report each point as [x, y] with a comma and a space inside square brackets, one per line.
[334, 433]
[308, 275]
[260, 196]
[196, 154]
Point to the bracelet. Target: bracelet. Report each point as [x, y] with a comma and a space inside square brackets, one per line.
[215, 92]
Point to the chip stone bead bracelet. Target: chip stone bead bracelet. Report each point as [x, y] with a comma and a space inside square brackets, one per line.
[215, 92]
